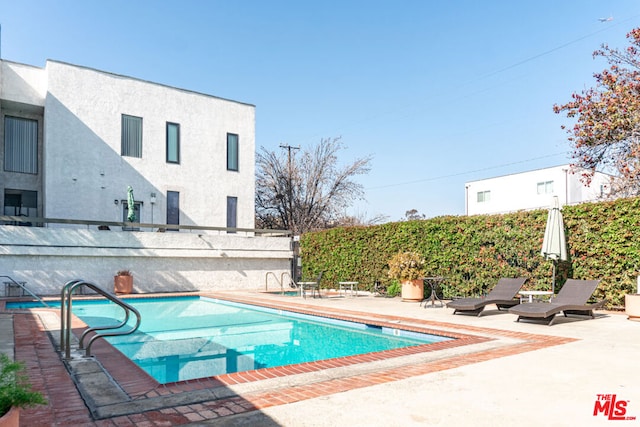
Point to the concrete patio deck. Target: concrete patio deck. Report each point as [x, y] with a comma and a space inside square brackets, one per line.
[507, 373]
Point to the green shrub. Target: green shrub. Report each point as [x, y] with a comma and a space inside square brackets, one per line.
[473, 252]
[394, 289]
[15, 389]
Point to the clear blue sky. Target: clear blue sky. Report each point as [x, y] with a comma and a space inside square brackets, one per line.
[438, 92]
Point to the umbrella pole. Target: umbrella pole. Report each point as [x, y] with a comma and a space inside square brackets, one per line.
[553, 282]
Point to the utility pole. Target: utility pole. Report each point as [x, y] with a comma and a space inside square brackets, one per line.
[294, 245]
[289, 190]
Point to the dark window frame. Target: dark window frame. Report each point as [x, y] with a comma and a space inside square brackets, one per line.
[177, 148]
[232, 213]
[24, 165]
[128, 149]
[173, 212]
[233, 163]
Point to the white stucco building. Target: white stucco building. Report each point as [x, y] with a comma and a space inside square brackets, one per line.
[74, 139]
[532, 190]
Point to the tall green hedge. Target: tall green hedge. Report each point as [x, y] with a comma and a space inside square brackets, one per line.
[473, 252]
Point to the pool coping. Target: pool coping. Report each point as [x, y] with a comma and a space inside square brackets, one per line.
[110, 391]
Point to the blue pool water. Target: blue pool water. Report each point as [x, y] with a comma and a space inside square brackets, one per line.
[183, 338]
[285, 293]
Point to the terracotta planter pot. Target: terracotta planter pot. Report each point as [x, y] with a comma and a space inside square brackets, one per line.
[413, 290]
[632, 306]
[123, 284]
[11, 418]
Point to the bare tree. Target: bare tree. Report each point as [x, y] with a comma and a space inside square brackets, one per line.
[360, 220]
[306, 190]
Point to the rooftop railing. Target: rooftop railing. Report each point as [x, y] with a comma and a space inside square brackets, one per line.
[136, 226]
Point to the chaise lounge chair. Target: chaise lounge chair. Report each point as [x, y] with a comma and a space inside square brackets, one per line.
[502, 295]
[571, 299]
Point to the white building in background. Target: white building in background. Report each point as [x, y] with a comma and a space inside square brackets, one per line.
[532, 190]
[74, 138]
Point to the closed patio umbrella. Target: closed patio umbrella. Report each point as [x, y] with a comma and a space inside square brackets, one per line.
[131, 213]
[554, 244]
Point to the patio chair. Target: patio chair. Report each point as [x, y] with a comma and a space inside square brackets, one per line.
[571, 299]
[312, 285]
[502, 295]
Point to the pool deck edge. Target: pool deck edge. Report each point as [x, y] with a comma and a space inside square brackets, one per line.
[241, 393]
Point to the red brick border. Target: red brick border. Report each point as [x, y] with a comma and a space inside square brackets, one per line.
[67, 408]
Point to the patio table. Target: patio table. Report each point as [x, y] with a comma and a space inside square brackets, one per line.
[531, 294]
[434, 283]
[343, 287]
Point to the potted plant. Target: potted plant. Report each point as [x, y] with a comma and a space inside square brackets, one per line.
[123, 282]
[408, 268]
[15, 391]
[632, 304]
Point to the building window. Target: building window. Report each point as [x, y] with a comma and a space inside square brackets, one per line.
[21, 203]
[232, 213]
[484, 196]
[232, 152]
[131, 144]
[20, 145]
[173, 143]
[545, 187]
[173, 209]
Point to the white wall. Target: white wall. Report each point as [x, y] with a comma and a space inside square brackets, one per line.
[520, 191]
[82, 172]
[161, 262]
[22, 83]
[85, 172]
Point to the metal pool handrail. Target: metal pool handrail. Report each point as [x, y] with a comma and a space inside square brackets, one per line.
[24, 288]
[279, 282]
[65, 317]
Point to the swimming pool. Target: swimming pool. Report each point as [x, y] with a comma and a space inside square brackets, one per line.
[284, 293]
[182, 338]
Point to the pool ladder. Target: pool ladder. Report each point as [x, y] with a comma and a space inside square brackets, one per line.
[279, 282]
[66, 296]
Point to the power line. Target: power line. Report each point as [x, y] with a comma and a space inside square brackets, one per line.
[489, 74]
[547, 52]
[493, 73]
[464, 173]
